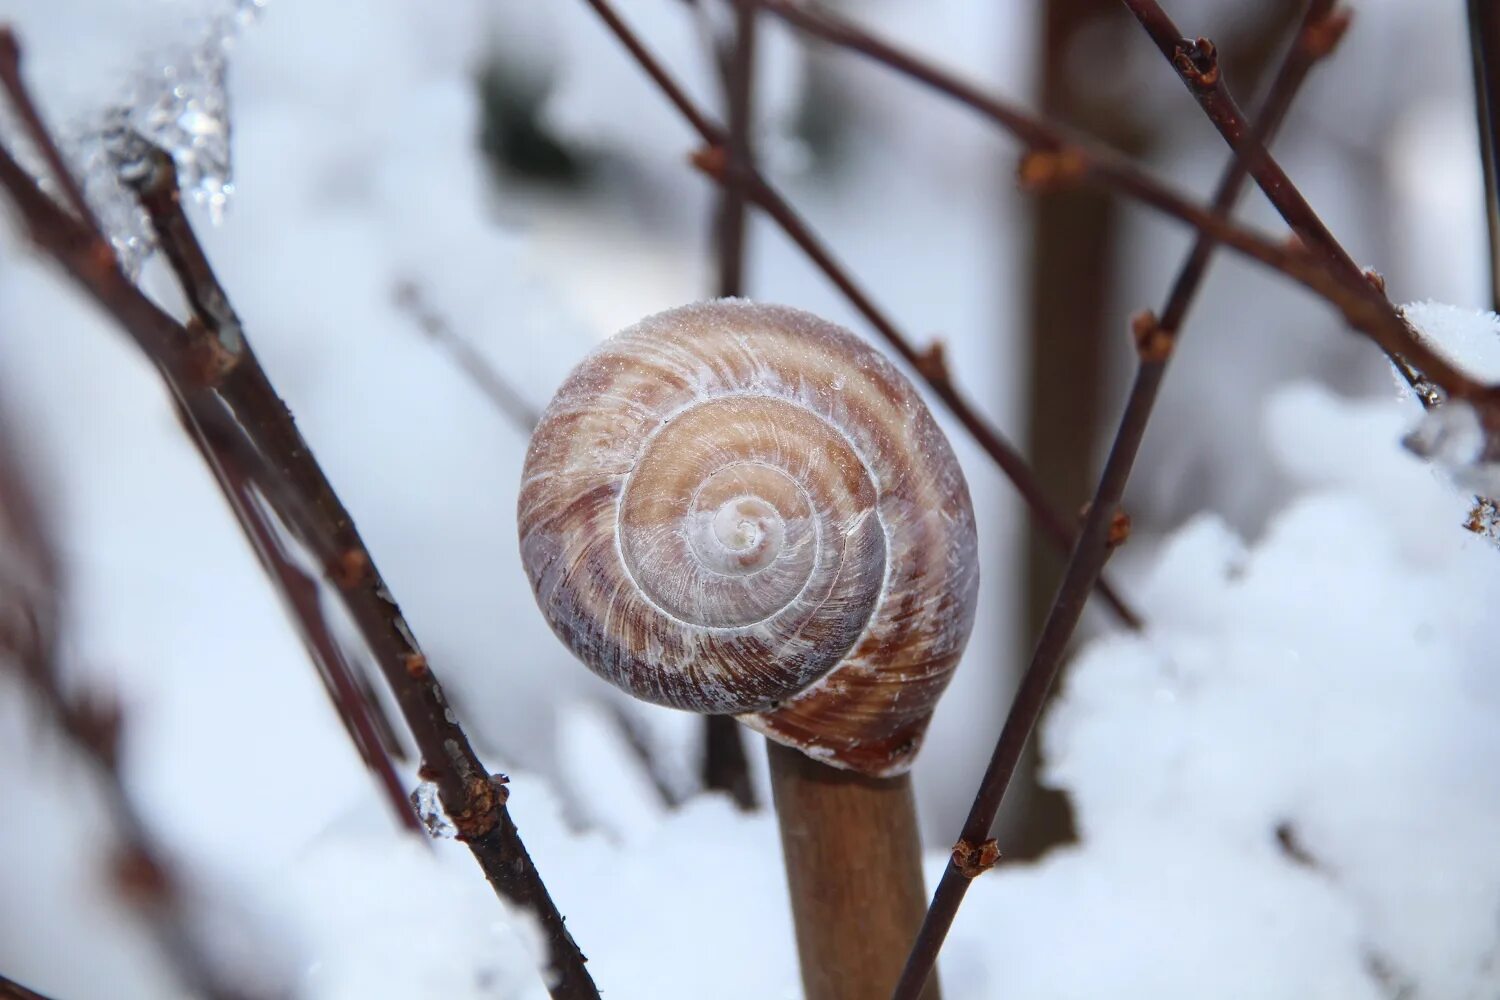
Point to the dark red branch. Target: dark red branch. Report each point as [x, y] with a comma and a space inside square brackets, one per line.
[92, 723]
[502, 395]
[1058, 156]
[1104, 530]
[36, 130]
[12, 990]
[363, 717]
[1196, 64]
[224, 391]
[927, 364]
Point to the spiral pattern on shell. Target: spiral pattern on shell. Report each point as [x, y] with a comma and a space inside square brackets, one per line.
[742, 509]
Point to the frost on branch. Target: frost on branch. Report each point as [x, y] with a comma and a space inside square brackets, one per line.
[162, 81]
[1470, 337]
[1453, 435]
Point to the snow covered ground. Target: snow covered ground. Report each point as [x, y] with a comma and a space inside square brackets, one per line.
[1287, 787]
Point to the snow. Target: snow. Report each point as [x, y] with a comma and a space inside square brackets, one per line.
[1467, 335]
[1326, 678]
[1453, 435]
[1319, 660]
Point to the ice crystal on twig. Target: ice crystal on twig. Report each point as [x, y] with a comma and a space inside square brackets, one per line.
[178, 102]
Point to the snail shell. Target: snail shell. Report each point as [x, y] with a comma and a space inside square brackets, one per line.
[742, 509]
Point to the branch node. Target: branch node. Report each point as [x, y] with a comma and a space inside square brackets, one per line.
[351, 568]
[1153, 342]
[209, 362]
[1375, 278]
[416, 666]
[486, 795]
[973, 861]
[1198, 63]
[932, 362]
[713, 161]
[10, 50]
[1045, 170]
[97, 721]
[1119, 530]
[140, 878]
[1322, 36]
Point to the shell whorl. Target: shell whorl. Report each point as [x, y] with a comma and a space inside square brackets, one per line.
[742, 509]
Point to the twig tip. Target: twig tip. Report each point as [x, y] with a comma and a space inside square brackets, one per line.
[1198, 63]
[711, 160]
[1153, 342]
[1322, 36]
[1044, 170]
[932, 362]
[974, 860]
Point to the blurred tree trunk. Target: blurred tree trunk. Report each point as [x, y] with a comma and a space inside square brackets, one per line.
[1071, 289]
[1073, 306]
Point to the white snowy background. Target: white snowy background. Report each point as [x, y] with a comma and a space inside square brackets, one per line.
[1319, 661]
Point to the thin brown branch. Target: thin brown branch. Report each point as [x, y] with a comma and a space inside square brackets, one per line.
[1196, 63]
[1105, 526]
[1484, 48]
[228, 396]
[927, 364]
[152, 174]
[12, 990]
[92, 723]
[636, 737]
[36, 130]
[155, 182]
[1058, 156]
[302, 595]
[505, 398]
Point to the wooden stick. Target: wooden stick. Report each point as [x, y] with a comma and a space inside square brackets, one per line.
[854, 867]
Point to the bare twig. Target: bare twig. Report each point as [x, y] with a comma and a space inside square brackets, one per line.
[92, 723]
[1104, 526]
[485, 376]
[31, 121]
[1484, 46]
[302, 595]
[1196, 64]
[12, 990]
[155, 181]
[928, 364]
[222, 387]
[1058, 156]
[638, 740]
